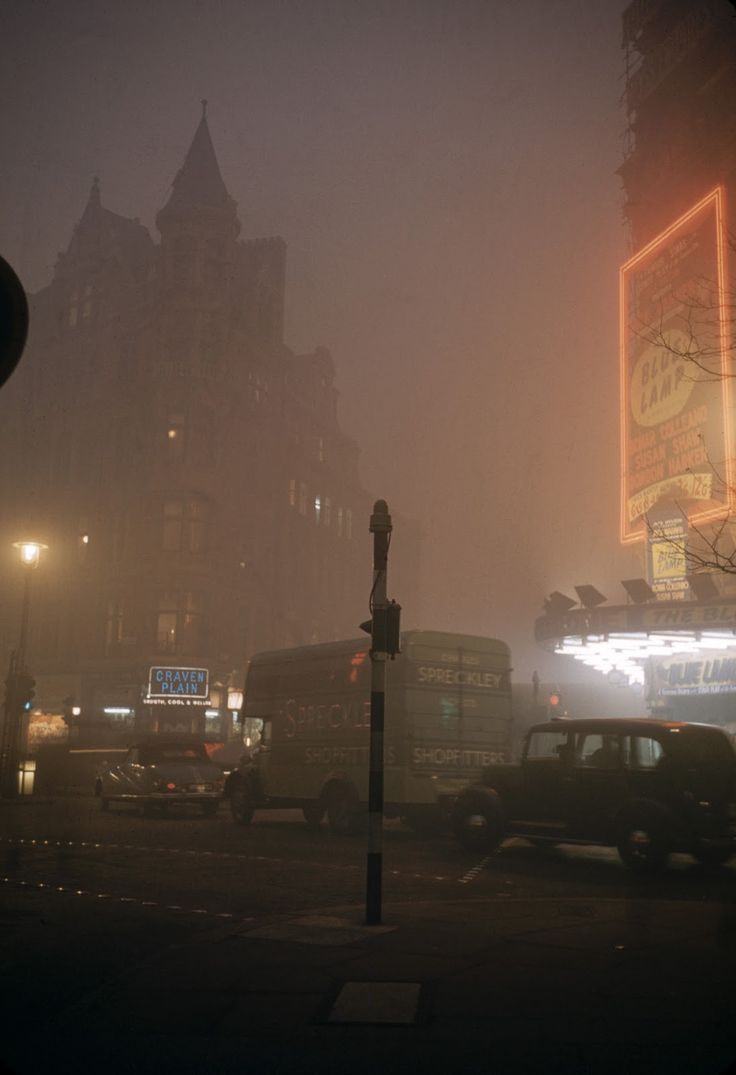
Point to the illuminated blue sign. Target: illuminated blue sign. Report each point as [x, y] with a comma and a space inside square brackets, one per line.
[178, 683]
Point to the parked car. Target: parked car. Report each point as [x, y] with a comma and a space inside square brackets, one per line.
[159, 772]
[646, 787]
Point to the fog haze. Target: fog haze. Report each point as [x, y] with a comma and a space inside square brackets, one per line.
[444, 175]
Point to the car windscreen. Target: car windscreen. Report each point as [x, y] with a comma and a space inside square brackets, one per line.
[176, 755]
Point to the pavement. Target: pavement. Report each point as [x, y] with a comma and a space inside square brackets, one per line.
[506, 985]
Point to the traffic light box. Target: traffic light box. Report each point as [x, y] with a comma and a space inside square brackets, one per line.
[555, 709]
[25, 690]
[20, 690]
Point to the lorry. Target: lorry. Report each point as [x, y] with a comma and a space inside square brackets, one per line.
[448, 714]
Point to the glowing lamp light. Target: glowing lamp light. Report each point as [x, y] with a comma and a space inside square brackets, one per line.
[30, 551]
[234, 699]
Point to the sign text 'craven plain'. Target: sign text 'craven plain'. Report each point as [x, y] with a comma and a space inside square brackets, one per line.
[178, 683]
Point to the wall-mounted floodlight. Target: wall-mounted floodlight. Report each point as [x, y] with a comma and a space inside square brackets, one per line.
[589, 596]
[557, 604]
[638, 590]
[703, 587]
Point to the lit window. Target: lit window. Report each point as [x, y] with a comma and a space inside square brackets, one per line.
[175, 436]
[326, 511]
[339, 522]
[292, 492]
[302, 498]
[317, 509]
[321, 450]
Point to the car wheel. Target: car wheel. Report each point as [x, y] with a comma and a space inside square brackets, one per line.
[342, 810]
[313, 813]
[209, 809]
[241, 804]
[478, 822]
[711, 857]
[642, 841]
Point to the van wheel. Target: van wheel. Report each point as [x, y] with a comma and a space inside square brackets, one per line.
[241, 804]
[478, 822]
[313, 813]
[342, 810]
[642, 841]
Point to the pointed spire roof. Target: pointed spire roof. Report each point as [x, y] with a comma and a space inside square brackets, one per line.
[199, 182]
[100, 231]
[94, 202]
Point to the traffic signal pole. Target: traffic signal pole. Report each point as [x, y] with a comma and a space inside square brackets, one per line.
[18, 686]
[380, 527]
[10, 734]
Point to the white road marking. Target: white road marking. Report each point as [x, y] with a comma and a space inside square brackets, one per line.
[143, 849]
[44, 885]
[473, 873]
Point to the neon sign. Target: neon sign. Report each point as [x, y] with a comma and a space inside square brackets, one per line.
[675, 406]
[166, 682]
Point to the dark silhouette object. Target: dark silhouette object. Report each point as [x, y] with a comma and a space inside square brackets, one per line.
[13, 320]
[606, 756]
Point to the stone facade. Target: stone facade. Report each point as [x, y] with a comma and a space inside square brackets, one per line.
[187, 470]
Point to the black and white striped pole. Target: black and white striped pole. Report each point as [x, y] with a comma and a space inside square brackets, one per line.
[384, 630]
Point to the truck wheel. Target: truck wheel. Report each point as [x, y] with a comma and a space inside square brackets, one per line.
[241, 804]
[642, 840]
[478, 822]
[342, 810]
[313, 813]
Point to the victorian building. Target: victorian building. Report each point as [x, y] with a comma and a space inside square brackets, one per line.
[187, 470]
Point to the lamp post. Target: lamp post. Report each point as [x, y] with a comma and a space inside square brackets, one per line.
[18, 685]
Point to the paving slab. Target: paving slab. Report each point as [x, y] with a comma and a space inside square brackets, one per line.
[395, 1003]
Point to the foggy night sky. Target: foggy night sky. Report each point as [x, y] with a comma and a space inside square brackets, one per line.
[443, 174]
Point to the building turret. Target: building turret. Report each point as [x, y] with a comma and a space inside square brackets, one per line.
[199, 204]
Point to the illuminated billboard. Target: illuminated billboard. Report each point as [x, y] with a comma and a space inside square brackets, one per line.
[178, 683]
[675, 436]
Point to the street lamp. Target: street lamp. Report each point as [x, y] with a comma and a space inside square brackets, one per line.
[18, 679]
[30, 554]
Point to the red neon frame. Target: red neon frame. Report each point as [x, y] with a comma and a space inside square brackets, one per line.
[717, 199]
